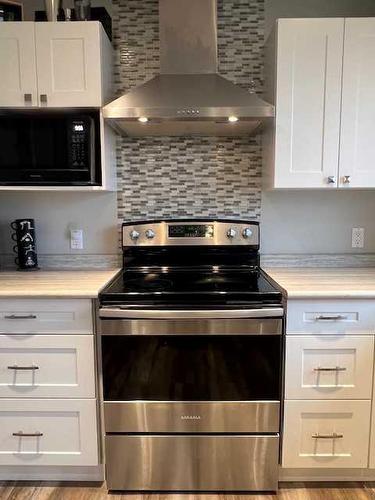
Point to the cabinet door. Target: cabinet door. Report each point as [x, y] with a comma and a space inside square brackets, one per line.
[46, 316]
[357, 150]
[308, 94]
[47, 366]
[18, 83]
[329, 367]
[48, 432]
[326, 434]
[68, 57]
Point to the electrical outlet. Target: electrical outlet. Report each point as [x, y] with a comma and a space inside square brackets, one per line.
[358, 237]
[76, 239]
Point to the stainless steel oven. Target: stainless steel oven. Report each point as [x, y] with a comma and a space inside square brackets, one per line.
[191, 394]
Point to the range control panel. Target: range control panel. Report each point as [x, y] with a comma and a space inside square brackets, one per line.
[172, 233]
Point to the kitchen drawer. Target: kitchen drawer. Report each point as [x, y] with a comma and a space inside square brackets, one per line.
[192, 462]
[331, 316]
[305, 421]
[46, 316]
[67, 428]
[329, 367]
[47, 366]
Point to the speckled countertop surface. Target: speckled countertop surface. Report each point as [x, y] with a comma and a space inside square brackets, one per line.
[343, 283]
[50, 284]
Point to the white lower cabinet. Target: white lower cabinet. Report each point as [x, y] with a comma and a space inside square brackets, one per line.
[326, 434]
[50, 366]
[48, 432]
[48, 406]
[329, 367]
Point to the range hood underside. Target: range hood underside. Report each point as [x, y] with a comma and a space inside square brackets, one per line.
[167, 127]
[188, 104]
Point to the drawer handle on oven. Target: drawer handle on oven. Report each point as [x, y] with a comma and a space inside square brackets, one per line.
[24, 316]
[337, 317]
[268, 312]
[27, 434]
[330, 369]
[334, 435]
[16, 367]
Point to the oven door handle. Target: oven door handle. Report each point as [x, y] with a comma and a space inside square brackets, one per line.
[111, 312]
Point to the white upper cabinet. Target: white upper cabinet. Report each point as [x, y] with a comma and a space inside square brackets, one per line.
[357, 150]
[60, 64]
[18, 79]
[308, 94]
[323, 85]
[69, 64]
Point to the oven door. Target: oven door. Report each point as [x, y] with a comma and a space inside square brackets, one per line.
[191, 375]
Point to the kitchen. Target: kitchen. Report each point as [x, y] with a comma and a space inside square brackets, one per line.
[190, 191]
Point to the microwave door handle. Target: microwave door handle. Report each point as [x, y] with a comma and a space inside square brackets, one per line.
[92, 148]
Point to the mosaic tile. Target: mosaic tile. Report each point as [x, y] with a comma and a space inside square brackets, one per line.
[188, 176]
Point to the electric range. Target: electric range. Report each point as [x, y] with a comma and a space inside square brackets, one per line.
[191, 349]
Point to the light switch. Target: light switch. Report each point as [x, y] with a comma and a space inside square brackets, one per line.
[76, 239]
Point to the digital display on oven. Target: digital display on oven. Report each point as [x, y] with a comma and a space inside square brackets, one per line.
[191, 231]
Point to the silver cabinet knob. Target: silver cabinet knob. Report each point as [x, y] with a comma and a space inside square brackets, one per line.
[231, 233]
[346, 179]
[150, 234]
[247, 232]
[331, 179]
[134, 235]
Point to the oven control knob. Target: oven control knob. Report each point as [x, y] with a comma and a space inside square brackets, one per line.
[231, 233]
[247, 232]
[150, 234]
[134, 235]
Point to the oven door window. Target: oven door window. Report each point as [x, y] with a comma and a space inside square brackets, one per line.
[187, 368]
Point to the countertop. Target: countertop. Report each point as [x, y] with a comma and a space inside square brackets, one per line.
[85, 284]
[341, 283]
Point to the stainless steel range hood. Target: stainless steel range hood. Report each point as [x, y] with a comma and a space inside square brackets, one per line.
[189, 96]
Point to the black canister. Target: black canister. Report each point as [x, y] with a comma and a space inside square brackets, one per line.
[25, 247]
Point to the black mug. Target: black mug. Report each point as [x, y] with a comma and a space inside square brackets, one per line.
[25, 247]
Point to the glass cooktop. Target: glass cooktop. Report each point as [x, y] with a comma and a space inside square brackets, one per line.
[211, 286]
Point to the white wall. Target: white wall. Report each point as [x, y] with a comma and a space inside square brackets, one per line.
[316, 221]
[56, 213]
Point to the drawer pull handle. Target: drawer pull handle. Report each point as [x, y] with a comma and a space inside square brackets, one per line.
[337, 317]
[20, 316]
[327, 436]
[27, 434]
[16, 367]
[330, 369]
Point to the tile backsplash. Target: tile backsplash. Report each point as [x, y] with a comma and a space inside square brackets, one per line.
[188, 176]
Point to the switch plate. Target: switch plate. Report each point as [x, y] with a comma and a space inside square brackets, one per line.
[358, 237]
[76, 239]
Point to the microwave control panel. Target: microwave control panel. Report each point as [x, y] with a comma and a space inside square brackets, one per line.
[80, 138]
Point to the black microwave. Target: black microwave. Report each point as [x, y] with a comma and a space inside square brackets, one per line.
[50, 147]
